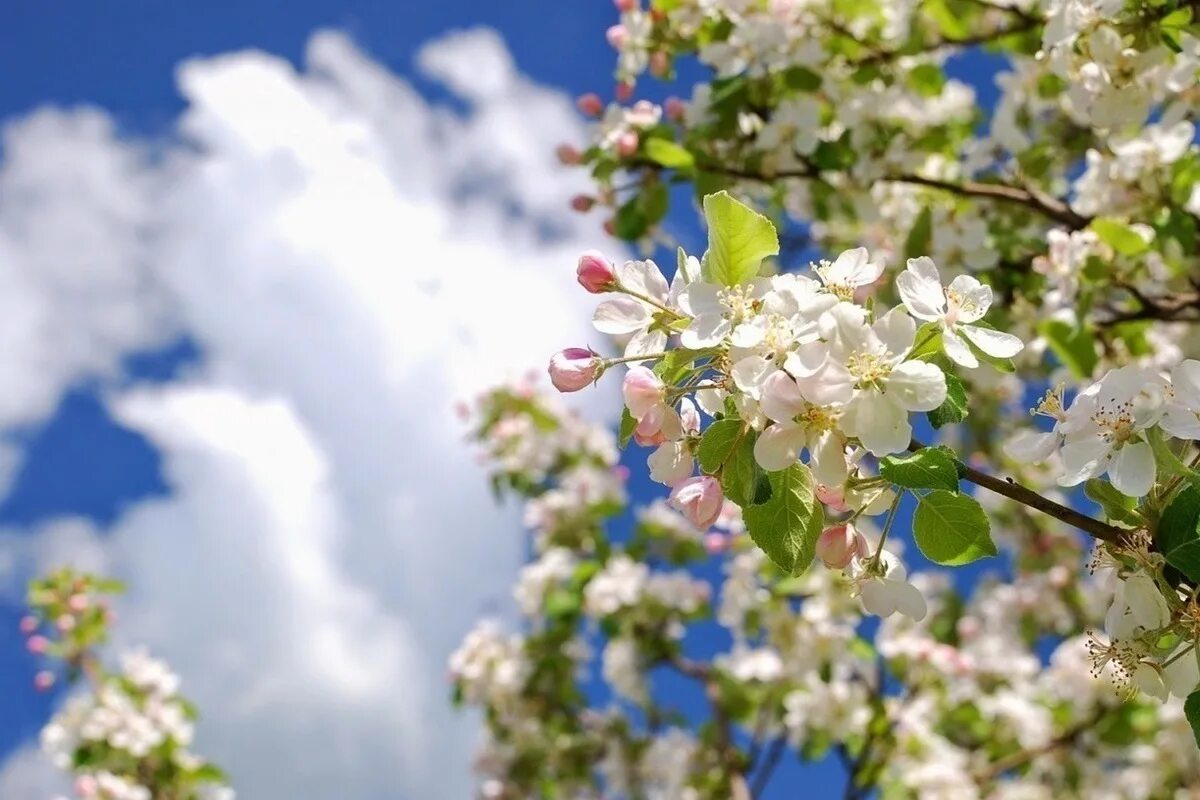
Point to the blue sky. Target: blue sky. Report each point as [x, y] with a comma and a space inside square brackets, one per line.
[122, 56]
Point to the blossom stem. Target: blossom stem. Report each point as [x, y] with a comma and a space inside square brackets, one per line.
[1026, 496]
[646, 299]
[887, 527]
[611, 362]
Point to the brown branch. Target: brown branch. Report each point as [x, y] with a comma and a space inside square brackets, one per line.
[1015, 491]
[1022, 757]
[726, 748]
[1183, 307]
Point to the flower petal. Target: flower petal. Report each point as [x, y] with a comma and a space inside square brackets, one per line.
[957, 350]
[996, 344]
[620, 315]
[917, 385]
[779, 446]
[879, 422]
[920, 288]
[1132, 469]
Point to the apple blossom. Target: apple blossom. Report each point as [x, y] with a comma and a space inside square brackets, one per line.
[573, 369]
[699, 499]
[595, 273]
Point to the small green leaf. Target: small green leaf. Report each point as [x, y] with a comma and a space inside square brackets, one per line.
[954, 408]
[928, 468]
[1072, 346]
[628, 424]
[1119, 236]
[927, 343]
[919, 235]
[1191, 710]
[739, 476]
[952, 529]
[630, 222]
[927, 79]
[1177, 536]
[718, 441]
[669, 154]
[787, 524]
[1116, 506]
[739, 238]
[802, 79]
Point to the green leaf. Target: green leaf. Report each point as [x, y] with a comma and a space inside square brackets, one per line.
[1168, 463]
[802, 79]
[1177, 536]
[630, 222]
[718, 441]
[1119, 236]
[739, 238]
[954, 408]
[927, 343]
[787, 524]
[927, 79]
[669, 154]
[1191, 710]
[628, 424]
[739, 476]
[928, 468]
[919, 235]
[656, 200]
[1116, 506]
[1072, 346]
[952, 529]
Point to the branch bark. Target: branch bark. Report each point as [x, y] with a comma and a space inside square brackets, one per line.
[1026, 496]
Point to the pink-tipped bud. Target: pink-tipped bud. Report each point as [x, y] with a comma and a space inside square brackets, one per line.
[595, 273]
[716, 543]
[625, 6]
[573, 369]
[610, 226]
[582, 203]
[29, 624]
[660, 64]
[590, 104]
[627, 144]
[43, 681]
[568, 155]
[642, 390]
[37, 644]
[837, 546]
[652, 439]
[699, 499]
[617, 36]
[624, 91]
[676, 109]
[834, 497]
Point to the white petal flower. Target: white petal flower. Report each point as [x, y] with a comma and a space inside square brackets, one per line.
[1181, 416]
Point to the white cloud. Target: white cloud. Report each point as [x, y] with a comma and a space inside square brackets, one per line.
[351, 260]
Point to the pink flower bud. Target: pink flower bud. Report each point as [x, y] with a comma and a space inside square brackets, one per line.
[37, 644]
[652, 439]
[676, 109]
[642, 390]
[627, 144]
[699, 499]
[65, 623]
[617, 36]
[43, 680]
[660, 64]
[582, 203]
[595, 273]
[29, 624]
[716, 543]
[624, 92]
[838, 545]
[573, 369]
[590, 104]
[569, 155]
[625, 6]
[833, 497]
[610, 227]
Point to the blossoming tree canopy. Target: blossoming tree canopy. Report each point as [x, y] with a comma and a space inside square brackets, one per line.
[127, 736]
[1049, 245]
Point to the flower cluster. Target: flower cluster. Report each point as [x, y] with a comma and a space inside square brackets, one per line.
[957, 698]
[128, 736]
